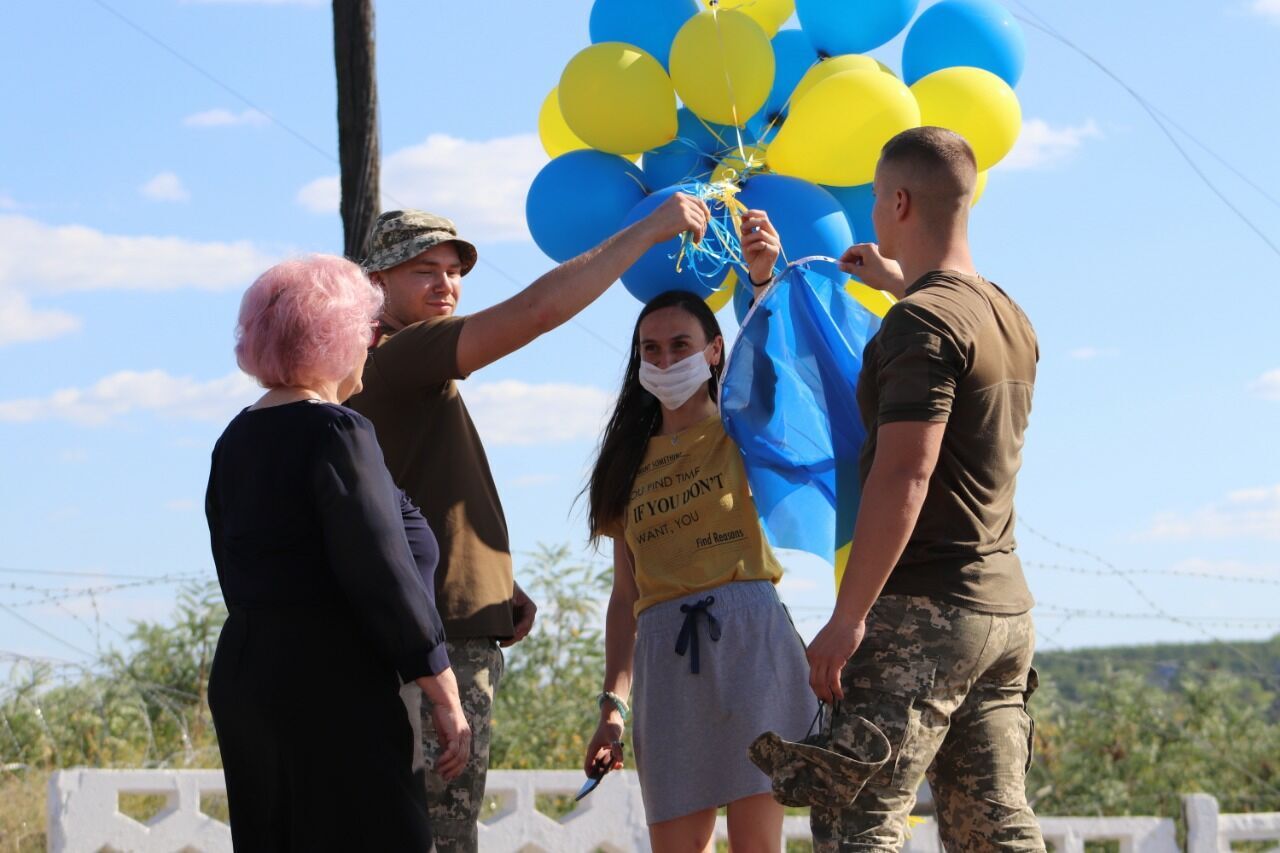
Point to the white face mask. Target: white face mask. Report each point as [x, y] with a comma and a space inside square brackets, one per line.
[676, 384]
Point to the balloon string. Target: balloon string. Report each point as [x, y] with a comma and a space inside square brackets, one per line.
[720, 246]
[728, 79]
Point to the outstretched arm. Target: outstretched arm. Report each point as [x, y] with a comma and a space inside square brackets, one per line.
[572, 286]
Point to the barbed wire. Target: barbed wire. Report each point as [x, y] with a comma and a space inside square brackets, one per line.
[55, 594]
[1164, 573]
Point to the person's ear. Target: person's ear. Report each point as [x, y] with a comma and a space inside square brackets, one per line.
[717, 351]
[902, 203]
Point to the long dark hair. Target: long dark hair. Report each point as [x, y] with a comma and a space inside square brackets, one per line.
[636, 417]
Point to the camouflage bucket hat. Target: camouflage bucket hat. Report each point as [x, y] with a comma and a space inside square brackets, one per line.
[399, 235]
[808, 773]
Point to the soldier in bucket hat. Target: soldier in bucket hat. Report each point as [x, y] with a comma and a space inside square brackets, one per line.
[931, 636]
[422, 348]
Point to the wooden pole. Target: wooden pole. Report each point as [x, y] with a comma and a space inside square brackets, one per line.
[358, 146]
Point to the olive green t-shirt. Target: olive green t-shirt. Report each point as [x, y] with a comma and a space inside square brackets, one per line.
[435, 455]
[957, 350]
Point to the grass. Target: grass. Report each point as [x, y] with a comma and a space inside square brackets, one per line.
[22, 811]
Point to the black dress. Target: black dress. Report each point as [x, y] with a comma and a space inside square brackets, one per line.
[327, 613]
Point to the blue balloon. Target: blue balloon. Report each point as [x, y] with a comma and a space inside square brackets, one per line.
[579, 199]
[793, 55]
[857, 203]
[655, 273]
[835, 27]
[809, 219]
[690, 156]
[979, 33]
[651, 25]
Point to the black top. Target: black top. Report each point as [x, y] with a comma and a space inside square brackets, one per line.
[302, 512]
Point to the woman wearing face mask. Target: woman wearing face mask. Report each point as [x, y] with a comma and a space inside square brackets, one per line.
[693, 616]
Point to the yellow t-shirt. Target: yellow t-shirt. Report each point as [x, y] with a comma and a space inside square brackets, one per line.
[691, 523]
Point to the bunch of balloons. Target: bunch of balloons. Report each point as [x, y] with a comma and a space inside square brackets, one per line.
[712, 97]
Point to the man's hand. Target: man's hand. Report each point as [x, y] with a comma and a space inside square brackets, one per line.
[865, 261]
[829, 652]
[523, 611]
[676, 215]
[761, 246]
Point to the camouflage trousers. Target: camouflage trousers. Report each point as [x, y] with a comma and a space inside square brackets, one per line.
[455, 806]
[949, 687]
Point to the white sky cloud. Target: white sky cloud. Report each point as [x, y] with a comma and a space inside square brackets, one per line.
[21, 323]
[518, 413]
[1243, 514]
[8, 202]
[1269, 9]
[480, 185]
[1042, 145]
[508, 412]
[1085, 353]
[224, 118]
[1267, 386]
[76, 258]
[165, 186]
[130, 391]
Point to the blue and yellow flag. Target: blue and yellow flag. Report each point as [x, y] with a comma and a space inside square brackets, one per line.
[789, 401]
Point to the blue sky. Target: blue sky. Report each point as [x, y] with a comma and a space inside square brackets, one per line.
[138, 198]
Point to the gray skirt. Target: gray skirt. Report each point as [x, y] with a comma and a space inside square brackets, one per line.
[692, 729]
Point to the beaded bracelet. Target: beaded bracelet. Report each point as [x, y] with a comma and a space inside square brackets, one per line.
[618, 703]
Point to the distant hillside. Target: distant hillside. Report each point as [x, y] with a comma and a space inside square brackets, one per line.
[1070, 671]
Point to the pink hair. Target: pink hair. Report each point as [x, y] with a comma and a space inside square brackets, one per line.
[305, 320]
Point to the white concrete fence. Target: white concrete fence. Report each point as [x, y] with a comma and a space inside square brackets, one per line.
[85, 817]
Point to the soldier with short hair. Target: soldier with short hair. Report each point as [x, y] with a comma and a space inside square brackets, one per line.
[435, 454]
[931, 637]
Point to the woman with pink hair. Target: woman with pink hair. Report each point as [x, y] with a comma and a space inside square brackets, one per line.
[330, 607]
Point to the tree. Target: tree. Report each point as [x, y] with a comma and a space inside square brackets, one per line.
[358, 147]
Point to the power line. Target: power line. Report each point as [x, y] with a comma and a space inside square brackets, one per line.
[226, 87]
[1038, 23]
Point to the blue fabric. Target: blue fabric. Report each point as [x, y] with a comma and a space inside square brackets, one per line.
[789, 402]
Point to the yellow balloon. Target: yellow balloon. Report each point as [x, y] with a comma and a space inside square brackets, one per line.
[769, 14]
[877, 302]
[554, 132]
[979, 188]
[827, 67]
[615, 97]
[721, 297]
[835, 134]
[974, 103]
[722, 66]
[733, 167]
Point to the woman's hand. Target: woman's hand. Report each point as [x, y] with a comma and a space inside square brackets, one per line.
[452, 730]
[605, 752]
[761, 246]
